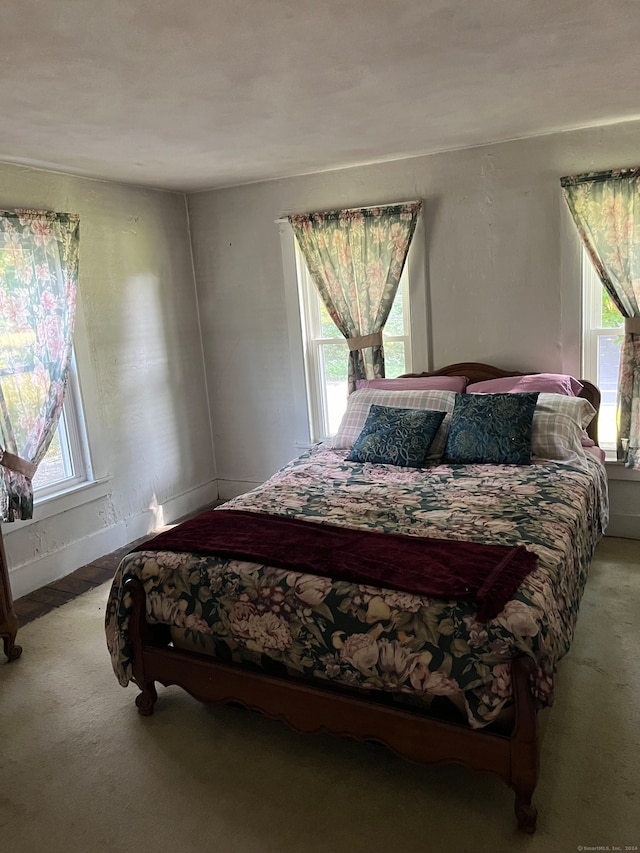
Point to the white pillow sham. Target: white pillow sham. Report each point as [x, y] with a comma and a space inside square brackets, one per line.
[558, 425]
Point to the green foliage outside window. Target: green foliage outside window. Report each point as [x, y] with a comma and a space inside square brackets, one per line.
[611, 317]
[335, 356]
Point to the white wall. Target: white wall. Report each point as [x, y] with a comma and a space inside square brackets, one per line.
[503, 277]
[141, 371]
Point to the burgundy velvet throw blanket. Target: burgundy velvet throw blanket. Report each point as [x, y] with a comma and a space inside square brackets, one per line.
[437, 568]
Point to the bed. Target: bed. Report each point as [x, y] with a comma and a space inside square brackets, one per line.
[437, 677]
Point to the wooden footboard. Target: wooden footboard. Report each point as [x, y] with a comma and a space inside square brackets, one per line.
[309, 707]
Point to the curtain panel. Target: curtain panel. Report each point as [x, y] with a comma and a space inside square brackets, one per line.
[355, 258]
[38, 287]
[606, 209]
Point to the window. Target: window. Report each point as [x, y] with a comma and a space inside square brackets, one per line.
[36, 275]
[66, 463]
[325, 351]
[602, 340]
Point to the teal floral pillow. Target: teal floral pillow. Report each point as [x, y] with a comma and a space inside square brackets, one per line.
[393, 436]
[491, 428]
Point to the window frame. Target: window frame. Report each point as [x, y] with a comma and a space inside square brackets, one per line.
[72, 435]
[420, 347]
[314, 342]
[98, 483]
[72, 432]
[593, 330]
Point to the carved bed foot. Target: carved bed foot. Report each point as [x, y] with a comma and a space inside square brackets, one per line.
[526, 813]
[11, 650]
[147, 699]
[524, 745]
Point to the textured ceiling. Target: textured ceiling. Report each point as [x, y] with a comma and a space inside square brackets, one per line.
[193, 94]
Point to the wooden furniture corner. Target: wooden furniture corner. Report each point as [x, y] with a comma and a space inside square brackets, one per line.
[8, 618]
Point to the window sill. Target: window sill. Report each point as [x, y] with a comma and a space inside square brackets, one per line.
[62, 502]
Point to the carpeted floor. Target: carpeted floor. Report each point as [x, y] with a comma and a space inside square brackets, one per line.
[81, 771]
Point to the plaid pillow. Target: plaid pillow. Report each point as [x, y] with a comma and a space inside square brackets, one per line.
[558, 424]
[359, 403]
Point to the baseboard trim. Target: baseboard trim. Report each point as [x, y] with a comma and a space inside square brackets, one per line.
[51, 567]
[624, 526]
[170, 511]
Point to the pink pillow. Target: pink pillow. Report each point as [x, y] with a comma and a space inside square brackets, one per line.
[416, 383]
[598, 452]
[545, 383]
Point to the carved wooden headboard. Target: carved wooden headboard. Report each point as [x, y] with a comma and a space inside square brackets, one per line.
[476, 371]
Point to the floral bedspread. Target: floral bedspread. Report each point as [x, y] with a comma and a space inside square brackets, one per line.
[380, 639]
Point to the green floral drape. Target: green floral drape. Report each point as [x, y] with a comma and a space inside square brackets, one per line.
[355, 258]
[38, 286]
[606, 209]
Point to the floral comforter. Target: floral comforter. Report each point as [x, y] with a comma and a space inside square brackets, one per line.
[380, 639]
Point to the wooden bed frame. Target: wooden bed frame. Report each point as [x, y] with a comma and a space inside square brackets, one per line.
[310, 707]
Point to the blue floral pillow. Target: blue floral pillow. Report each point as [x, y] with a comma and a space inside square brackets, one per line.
[395, 436]
[491, 428]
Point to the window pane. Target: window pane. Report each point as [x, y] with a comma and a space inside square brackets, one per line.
[394, 363]
[611, 317]
[328, 328]
[22, 387]
[54, 467]
[334, 368]
[395, 322]
[608, 368]
[21, 396]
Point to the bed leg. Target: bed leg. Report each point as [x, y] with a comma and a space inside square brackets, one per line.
[524, 745]
[11, 649]
[147, 699]
[526, 813]
[140, 635]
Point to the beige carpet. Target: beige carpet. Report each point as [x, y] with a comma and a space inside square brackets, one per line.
[80, 771]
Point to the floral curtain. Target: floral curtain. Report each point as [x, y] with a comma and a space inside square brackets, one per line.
[355, 258]
[38, 285]
[606, 209]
